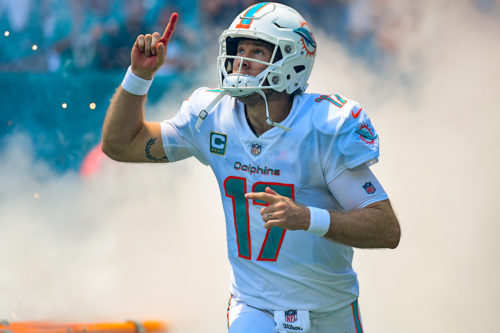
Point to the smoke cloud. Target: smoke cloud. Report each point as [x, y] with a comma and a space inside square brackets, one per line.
[137, 241]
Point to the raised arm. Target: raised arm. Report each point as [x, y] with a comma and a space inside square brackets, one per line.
[126, 135]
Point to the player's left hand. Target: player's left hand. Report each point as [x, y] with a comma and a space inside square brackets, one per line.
[281, 211]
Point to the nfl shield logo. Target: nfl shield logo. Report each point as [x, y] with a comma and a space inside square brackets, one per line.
[369, 188]
[256, 149]
[291, 316]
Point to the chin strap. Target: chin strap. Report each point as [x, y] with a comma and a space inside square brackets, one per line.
[269, 121]
[204, 113]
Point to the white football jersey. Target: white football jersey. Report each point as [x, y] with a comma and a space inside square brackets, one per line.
[279, 269]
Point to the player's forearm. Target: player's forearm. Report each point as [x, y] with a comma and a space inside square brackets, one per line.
[124, 119]
[374, 226]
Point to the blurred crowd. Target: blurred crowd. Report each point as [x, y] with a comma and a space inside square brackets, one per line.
[71, 54]
[50, 35]
[55, 35]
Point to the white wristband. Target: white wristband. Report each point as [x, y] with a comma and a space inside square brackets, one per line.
[320, 221]
[134, 84]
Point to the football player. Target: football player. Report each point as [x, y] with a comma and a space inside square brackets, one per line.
[292, 168]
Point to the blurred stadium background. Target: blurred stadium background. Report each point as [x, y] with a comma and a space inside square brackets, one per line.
[110, 241]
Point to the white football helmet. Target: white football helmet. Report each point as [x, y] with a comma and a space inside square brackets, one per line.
[293, 55]
[291, 61]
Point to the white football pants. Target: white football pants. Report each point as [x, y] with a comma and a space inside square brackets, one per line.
[243, 318]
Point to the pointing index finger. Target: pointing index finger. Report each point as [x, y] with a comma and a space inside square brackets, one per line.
[263, 196]
[169, 30]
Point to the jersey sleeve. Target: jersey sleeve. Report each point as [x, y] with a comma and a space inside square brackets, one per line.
[357, 188]
[349, 140]
[179, 135]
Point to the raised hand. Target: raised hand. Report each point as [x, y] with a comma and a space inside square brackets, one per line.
[149, 51]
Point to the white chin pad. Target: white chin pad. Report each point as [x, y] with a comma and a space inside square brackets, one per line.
[240, 85]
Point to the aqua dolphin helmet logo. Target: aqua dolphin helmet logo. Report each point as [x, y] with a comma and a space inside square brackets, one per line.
[306, 34]
[308, 42]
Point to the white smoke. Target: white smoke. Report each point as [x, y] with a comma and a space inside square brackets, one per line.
[130, 242]
[434, 107]
[138, 241]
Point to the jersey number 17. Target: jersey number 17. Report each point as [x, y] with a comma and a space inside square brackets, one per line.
[235, 188]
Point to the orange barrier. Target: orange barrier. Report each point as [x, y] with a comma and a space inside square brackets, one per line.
[53, 327]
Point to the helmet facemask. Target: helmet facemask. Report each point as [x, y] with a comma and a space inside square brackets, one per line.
[237, 84]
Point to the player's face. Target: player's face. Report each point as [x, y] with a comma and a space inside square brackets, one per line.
[253, 49]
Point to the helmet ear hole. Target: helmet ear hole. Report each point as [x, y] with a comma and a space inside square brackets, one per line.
[299, 68]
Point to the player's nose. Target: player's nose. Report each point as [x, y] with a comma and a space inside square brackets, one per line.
[241, 65]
